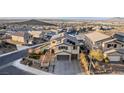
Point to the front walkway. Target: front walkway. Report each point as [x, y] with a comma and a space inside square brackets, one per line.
[67, 68]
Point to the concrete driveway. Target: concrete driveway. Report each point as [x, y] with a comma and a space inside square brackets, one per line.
[67, 68]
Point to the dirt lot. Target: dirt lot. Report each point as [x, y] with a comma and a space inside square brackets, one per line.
[6, 47]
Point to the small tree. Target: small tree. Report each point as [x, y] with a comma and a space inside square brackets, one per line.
[97, 55]
[106, 60]
[84, 62]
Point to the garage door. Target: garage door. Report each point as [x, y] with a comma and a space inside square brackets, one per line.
[123, 57]
[62, 57]
[114, 58]
[74, 57]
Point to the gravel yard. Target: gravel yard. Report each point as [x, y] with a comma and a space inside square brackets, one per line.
[118, 69]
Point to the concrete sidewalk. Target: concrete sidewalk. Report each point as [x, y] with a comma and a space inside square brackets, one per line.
[29, 69]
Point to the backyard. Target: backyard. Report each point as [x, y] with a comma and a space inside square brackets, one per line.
[95, 63]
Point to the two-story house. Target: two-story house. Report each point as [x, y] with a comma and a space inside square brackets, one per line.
[95, 39]
[65, 47]
[117, 47]
[110, 45]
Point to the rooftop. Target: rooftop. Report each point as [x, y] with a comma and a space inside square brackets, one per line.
[96, 36]
[120, 51]
[20, 33]
[120, 33]
[65, 36]
[62, 35]
[80, 37]
[110, 40]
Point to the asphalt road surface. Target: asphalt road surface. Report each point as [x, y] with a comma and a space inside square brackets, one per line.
[11, 70]
[12, 56]
[6, 61]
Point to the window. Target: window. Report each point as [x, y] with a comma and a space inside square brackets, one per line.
[109, 45]
[63, 47]
[98, 43]
[115, 45]
[53, 41]
[71, 42]
[112, 45]
[31, 36]
[74, 47]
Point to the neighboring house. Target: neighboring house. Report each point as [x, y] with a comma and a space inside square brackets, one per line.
[109, 45]
[61, 30]
[71, 31]
[65, 47]
[48, 35]
[22, 37]
[80, 38]
[95, 39]
[115, 55]
[117, 48]
[112, 44]
[2, 32]
[119, 36]
[37, 34]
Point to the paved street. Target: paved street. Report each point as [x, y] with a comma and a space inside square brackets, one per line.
[11, 56]
[9, 63]
[16, 68]
[11, 70]
[29, 69]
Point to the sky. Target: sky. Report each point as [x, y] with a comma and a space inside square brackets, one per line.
[87, 18]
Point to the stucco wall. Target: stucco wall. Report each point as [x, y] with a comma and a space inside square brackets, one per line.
[112, 47]
[70, 49]
[36, 33]
[18, 39]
